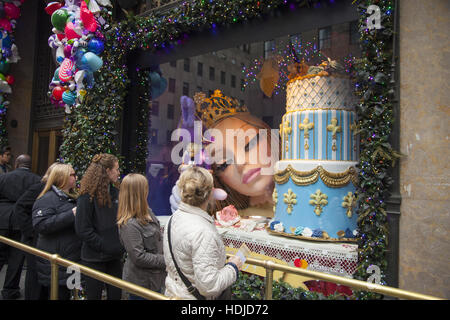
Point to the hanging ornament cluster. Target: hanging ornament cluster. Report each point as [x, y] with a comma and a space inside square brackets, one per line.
[78, 43]
[9, 13]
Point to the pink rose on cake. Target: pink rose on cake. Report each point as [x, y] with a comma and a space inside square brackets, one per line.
[228, 216]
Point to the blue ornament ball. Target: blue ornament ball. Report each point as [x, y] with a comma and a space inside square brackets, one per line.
[78, 58]
[158, 85]
[92, 61]
[6, 42]
[56, 75]
[96, 46]
[69, 98]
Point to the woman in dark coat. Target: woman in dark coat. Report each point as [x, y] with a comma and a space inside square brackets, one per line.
[140, 233]
[96, 226]
[53, 219]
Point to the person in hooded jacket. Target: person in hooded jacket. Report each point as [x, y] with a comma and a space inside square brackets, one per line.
[53, 219]
[96, 224]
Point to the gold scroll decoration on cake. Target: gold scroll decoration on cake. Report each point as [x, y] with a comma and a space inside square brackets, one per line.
[286, 130]
[349, 203]
[290, 198]
[304, 178]
[306, 126]
[318, 200]
[334, 129]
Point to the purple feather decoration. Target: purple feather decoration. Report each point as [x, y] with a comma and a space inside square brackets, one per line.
[187, 112]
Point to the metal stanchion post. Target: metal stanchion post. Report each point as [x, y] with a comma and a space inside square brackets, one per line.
[54, 277]
[269, 280]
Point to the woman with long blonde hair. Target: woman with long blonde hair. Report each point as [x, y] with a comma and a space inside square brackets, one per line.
[139, 231]
[95, 224]
[53, 219]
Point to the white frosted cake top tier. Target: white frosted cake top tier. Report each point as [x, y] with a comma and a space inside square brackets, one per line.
[320, 92]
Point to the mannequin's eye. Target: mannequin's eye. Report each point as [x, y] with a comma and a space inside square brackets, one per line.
[222, 167]
[251, 143]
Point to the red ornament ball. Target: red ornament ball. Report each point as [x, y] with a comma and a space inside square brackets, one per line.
[10, 79]
[58, 92]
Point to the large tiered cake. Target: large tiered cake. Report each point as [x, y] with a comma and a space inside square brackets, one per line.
[316, 176]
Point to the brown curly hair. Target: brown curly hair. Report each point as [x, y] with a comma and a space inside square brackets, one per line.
[95, 181]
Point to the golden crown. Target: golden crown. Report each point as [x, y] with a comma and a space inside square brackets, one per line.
[215, 108]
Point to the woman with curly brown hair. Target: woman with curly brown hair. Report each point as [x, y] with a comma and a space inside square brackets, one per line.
[95, 224]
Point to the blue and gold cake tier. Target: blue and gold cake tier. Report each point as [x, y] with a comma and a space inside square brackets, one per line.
[319, 134]
[315, 200]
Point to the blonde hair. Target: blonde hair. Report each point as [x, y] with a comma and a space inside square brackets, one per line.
[47, 173]
[133, 200]
[195, 185]
[59, 177]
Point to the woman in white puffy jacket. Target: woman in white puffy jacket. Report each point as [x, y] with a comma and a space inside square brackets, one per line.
[196, 245]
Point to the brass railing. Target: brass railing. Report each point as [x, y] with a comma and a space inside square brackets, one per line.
[271, 266]
[56, 260]
[268, 265]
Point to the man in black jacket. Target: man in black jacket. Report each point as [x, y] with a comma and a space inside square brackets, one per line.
[12, 185]
[22, 214]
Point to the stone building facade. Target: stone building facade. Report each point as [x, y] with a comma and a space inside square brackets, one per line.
[424, 254]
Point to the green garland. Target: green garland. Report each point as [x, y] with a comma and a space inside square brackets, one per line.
[375, 119]
[141, 148]
[92, 127]
[252, 287]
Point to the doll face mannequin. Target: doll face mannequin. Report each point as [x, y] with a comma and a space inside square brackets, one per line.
[244, 175]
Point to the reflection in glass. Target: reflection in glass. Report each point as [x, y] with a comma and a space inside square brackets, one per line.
[239, 63]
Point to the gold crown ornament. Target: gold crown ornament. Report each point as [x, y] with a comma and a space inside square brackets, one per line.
[215, 108]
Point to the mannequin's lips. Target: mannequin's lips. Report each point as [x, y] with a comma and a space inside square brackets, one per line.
[251, 175]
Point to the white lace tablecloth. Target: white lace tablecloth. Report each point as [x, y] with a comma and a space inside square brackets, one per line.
[333, 258]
